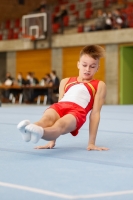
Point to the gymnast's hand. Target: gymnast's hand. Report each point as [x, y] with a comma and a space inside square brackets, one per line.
[49, 145]
[93, 147]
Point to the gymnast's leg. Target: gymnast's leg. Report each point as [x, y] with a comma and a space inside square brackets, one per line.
[49, 117]
[61, 126]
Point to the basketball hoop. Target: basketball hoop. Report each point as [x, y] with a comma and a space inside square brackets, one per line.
[28, 37]
[34, 26]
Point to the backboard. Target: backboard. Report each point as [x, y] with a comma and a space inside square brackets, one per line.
[34, 25]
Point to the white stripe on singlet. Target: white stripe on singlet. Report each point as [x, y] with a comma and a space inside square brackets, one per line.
[78, 94]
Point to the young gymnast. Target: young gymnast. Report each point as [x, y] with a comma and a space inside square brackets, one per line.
[77, 96]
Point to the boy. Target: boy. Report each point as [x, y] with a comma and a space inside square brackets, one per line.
[77, 96]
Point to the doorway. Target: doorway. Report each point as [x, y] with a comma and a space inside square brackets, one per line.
[126, 75]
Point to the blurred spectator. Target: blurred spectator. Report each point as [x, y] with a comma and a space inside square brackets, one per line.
[58, 18]
[31, 79]
[125, 20]
[20, 79]
[14, 93]
[43, 7]
[100, 20]
[8, 79]
[8, 82]
[117, 19]
[92, 28]
[28, 78]
[35, 79]
[39, 21]
[56, 81]
[54, 90]
[108, 21]
[29, 93]
[43, 4]
[80, 28]
[48, 80]
[42, 82]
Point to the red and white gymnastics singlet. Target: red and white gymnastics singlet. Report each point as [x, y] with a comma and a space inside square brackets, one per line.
[80, 93]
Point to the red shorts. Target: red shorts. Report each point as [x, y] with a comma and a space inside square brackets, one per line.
[63, 108]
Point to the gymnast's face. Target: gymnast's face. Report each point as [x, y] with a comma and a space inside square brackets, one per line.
[87, 66]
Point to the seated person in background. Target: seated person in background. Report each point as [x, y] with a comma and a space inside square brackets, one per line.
[100, 21]
[59, 17]
[42, 82]
[35, 79]
[28, 93]
[28, 78]
[20, 79]
[56, 83]
[47, 81]
[31, 79]
[117, 19]
[7, 82]
[92, 28]
[108, 21]
[80, 27]
[43, 5]
[54, 90]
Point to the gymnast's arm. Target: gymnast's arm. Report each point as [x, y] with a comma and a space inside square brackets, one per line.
[95, 117]
[62, 88]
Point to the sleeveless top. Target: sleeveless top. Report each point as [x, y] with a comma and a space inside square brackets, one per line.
[80, 93]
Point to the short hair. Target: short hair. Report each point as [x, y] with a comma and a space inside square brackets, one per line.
[94, 51]
[48, 75]
[53, 72]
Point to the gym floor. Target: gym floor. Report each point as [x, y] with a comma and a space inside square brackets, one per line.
[68, 171]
